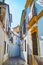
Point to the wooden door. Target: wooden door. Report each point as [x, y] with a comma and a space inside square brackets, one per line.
[34, 40]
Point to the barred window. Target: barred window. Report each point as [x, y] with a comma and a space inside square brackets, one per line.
[7, 48]
[24, 28]
[25, 45]
[11, 39]
[4, 47]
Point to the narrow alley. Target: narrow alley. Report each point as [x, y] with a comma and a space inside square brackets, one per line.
[21, 32]
[14, 61]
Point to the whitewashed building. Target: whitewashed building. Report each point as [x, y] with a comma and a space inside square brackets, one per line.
[4, 30]
[23, 37]
[33, 19]
[14, 46]
[35, 31]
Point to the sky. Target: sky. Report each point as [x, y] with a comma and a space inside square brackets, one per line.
[16, 7]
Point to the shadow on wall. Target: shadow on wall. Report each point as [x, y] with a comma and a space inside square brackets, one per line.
[22, 54]
[13, 50]
[29, 51]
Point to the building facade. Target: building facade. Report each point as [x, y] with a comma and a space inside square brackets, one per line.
[34, 29]
[4, 26]
[23, 37]
[33, 26]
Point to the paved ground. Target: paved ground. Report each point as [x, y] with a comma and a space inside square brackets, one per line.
[14, 61]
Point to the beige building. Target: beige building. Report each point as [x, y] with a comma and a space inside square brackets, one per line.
[4, 31]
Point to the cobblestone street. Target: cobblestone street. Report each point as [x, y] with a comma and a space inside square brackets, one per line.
[14, 61]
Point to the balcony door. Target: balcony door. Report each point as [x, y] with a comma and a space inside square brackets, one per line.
[34, 40]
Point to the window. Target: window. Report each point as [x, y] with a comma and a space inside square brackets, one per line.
[34, 12]
[24, 28]
[7, 48]
[25, 45]
[34, 39]
[11, 39]
[0, 10]
[10, 18]
[4, 47]
[9, 31]
[21, 34]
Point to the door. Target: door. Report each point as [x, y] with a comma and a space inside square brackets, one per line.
[34, 40]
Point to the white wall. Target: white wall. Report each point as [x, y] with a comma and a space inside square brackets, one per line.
[14, 39]
[6, 53]
[13, 50]
[1, 44]
[6, 19]
[23, 53]
[2, 39]
[29, 42]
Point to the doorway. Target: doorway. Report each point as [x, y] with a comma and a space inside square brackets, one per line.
[34, 40]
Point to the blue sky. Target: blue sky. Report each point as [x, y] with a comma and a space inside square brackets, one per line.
[16, 7]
